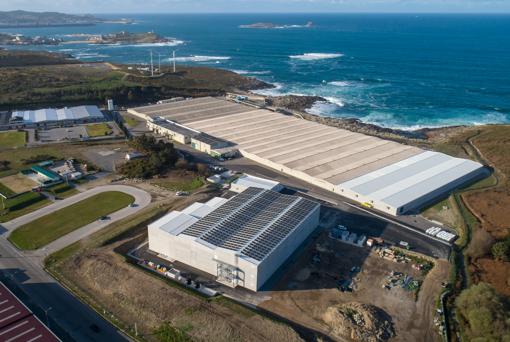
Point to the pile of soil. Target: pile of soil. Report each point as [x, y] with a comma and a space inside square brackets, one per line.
[360, 322]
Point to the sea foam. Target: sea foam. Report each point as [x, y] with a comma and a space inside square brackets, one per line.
[198, 58]
[313, 56]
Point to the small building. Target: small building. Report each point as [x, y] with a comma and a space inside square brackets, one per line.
[134, 155]
[246, 181]
[215, 179]
[213, 146]
[42, 176]
[172, 130]
[241, 241]
[111, 106]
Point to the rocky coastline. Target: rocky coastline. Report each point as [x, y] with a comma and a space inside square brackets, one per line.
[299, 104]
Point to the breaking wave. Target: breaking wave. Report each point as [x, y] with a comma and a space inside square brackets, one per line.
[314, 56]
[248, 72]
[340, 83]
[199, 59]
[90, 55]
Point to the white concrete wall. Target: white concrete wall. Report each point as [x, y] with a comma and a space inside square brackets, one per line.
[199, 256]
[180, 138]
[138, 114]
[203, 147]
[288, 246]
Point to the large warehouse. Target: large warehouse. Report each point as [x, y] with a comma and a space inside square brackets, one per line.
[241, 241]
[389, 176]
[74, 114]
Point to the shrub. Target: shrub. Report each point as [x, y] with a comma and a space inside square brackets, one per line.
[501, 250]
[484, 313]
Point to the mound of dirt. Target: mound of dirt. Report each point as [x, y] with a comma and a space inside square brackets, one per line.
[360, 322]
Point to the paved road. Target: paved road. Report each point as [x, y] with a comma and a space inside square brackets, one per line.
[142, 198]
[26, 270]
[409, 228]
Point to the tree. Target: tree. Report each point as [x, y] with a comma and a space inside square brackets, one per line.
[501, 250]
[182, 164]
[484, 313]
[202, 169]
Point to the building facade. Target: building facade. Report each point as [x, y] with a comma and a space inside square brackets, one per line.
[240, 242]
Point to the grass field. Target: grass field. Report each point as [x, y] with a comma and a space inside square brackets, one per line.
[48, 228]
[62, 190]
[12, 139]
[98, 130]
[18, 183]
[21, 205]
[130, 122]
[190, 185]
[6, 191]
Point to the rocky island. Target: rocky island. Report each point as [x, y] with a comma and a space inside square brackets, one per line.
[125, 37]
[16, 39]
[9, 19]
[275, 26]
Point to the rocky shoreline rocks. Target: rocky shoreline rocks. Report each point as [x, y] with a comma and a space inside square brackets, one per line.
[298, 105]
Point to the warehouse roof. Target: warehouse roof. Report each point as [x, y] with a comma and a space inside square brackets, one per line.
[48, 173]
[175, 127]
[332, 158]
[17, 323]
[252, 223]
[256, 182]
[51, 114]
[214, 142]
[402, 182]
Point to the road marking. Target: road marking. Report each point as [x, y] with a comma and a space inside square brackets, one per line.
[399, 224]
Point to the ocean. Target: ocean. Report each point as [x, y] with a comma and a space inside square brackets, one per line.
[404, 71]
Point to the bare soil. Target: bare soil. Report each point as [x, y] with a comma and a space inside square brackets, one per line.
[18, 183]
[494, 272]
[308, 289]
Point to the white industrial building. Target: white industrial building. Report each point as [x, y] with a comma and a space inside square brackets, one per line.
[248, 181]
[241, 241]
[386, 175]
[75, 114]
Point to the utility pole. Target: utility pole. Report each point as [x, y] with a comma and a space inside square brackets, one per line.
[152, 66]
[173, 59]
[46, 313]
[159, 63]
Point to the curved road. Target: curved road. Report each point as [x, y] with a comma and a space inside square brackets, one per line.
[27, 271]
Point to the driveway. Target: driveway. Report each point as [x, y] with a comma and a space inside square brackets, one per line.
[26, 270]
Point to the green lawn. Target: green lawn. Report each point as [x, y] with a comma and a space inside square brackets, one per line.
[130, 122]
[21, 205]
[190, 185]
[4, 190]
[12, 139]
[46, 229]
[98, 130]
[62, 190]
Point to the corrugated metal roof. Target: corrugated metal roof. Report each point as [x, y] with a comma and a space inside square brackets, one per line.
[405, 181]
[256, 182]
[51, 114]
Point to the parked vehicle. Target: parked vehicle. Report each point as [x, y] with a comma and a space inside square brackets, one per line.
[404, 244]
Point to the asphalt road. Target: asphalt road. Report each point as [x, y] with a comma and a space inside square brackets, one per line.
[25, 270]
[409, 228]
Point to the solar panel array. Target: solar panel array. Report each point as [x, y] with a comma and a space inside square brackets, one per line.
[279, 230]
[253, 222]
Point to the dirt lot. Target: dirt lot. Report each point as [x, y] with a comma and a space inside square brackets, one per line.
[18, 183]
[309, 288]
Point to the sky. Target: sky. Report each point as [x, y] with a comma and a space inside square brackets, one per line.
[257, 6]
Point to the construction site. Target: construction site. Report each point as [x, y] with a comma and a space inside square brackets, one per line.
[391, 177]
